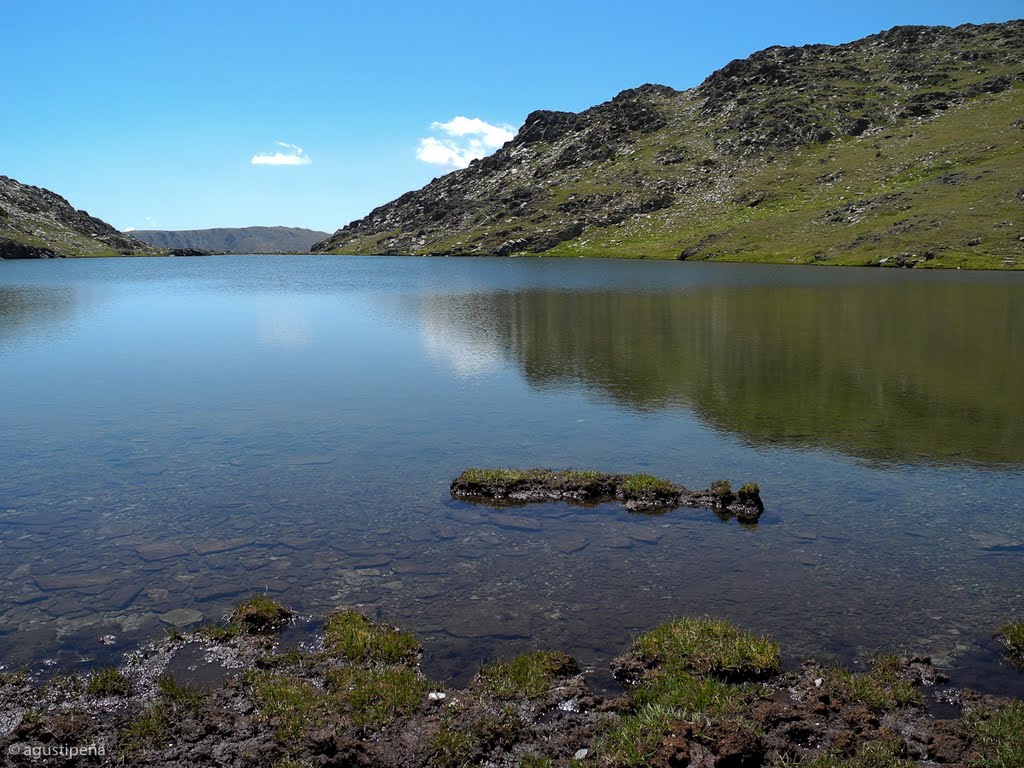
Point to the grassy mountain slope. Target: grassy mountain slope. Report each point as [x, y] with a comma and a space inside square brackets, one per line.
[234, 240]
[903, 148]
[37, 223]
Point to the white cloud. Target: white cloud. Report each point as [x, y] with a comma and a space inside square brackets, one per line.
[463, 140]
[292, 155]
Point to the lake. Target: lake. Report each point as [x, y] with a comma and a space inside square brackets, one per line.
[183, 433]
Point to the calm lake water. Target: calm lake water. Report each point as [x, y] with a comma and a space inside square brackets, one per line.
[181, 433]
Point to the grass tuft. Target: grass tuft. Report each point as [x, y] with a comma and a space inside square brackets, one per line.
[529, 675]
[691, 697]
[722, 490]
[749, 491]
[145, 731]
[219, 633]
[884, 753]
[494, 476]
[1001, 738]
[109, 682]
[260, 615]
[350, 634]
[631, 740]
[1012, 637]
[291, 705]
[882, 688]
[644, 484]
[536, 761]
[378, 694]
[179, 697]
[710, 646]
[452, 747]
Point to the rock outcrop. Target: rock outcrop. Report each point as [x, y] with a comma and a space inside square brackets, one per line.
[36, 223]
[746, 165]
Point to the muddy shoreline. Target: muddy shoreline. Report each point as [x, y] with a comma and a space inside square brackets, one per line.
[697, 692]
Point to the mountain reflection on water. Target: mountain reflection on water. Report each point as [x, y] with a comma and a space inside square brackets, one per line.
[909, 372]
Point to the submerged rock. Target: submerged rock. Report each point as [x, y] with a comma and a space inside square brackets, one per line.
[182, 617]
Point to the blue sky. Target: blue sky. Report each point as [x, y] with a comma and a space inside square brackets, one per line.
[187, 115]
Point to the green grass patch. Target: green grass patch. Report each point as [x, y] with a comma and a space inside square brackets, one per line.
[350, 634]
[529, 675]
[884, 753]
[690, 697]
[260, 614]
[147, 730]
[452, 747]
[631, 740]
[109, 682]
[13, 678]
[645, 484]
[590, 482]
[722, 490]
[1001, 737]
[1012, 637]
[151, 727]
[291, 762]
[180, 697]
[709, 646]
[292, 706]
[494, 476]
[378, 694]
[536, 761]
[669, 695]
[466, 736]
[219, 633]
[882, 688]
[690, 658]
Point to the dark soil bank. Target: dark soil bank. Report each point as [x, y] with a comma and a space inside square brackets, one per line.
[698, 692]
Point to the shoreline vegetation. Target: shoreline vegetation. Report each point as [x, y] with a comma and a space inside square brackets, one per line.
[696, 692]
[14, 250]
[637, 492]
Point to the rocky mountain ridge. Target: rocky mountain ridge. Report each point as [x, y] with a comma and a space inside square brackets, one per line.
[234, 239]
[36, 223]
[905, 147]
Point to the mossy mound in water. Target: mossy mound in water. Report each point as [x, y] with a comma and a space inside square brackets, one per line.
[637, 492]
[260, 615]
[1012, 637]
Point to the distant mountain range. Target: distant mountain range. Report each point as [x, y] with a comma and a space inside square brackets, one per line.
[36, 223]
[904, 148]
[233, 240]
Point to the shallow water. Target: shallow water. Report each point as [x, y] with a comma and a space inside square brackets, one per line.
[180, 433]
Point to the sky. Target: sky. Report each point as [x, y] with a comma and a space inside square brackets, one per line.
[213, 113]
